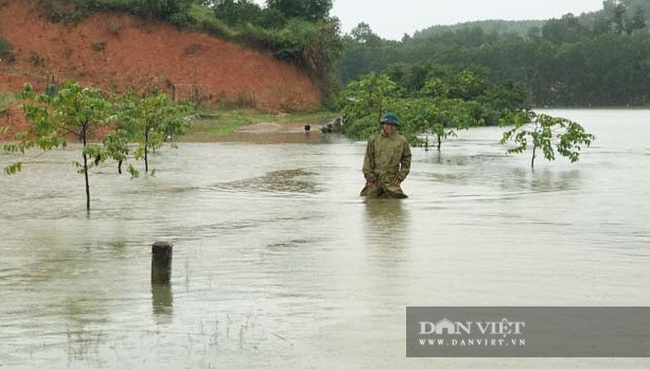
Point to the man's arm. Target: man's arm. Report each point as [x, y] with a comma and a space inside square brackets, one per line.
[405, 162]
[369, 162]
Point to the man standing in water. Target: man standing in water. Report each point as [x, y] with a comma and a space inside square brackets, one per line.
[387, 161]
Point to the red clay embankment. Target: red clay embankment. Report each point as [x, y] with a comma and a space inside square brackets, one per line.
[117, 51]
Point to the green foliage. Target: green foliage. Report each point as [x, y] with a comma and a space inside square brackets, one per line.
[205, 20]
[568, 29]
[174, 11]
[60, 12]
[361, 128]
[364, 103]
[7, 52]
[234, 12]
[6, 99]
[148, 121]
[162, 9]
[488, 27]
[363, 34]
[637, 22]
[439, 117]
[595, 59]
[310, 10]
[448, 101]
[468, 84]
[435, 88]
[314, 46]
[134, 172]
[13, 168]
[116, 143]
[73, 111]
[370, 96]
[641, 5]
[545, 132]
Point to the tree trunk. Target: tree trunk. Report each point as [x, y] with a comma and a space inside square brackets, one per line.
[146, 149]
[439, 142]
[532, 161]
[85, 157]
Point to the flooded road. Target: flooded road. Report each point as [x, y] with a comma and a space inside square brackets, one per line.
[279, 264]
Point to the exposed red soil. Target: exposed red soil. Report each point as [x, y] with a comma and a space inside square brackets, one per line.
[116, 51]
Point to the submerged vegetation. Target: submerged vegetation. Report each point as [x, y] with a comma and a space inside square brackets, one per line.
[82, 113]
[120, 127]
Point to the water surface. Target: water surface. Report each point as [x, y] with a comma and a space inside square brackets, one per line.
[278, 262]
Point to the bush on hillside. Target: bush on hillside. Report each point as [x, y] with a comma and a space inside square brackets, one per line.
[7, 52]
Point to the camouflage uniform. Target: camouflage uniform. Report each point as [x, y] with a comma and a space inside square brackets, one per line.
[388, 158]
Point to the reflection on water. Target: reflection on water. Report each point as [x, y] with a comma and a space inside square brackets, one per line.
[543, 180]
[162, 301]
[548, 181]
[386, 224]
[440, 157]
[281, 264]
[386, 229]
[385, 219]
[83, 344]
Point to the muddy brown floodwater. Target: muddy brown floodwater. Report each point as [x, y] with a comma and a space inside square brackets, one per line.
[279, 264]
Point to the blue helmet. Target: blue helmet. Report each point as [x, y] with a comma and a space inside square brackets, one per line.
[390, 118]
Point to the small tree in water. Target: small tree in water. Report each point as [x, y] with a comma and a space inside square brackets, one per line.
[116, 143]
[370, 96]
[152, 119]
[546, 133]
[441, 118]
[73, 111]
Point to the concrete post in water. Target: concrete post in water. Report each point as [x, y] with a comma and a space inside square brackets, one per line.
[161, 262]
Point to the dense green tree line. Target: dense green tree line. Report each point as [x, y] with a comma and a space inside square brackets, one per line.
[596, 59]
[520, 27]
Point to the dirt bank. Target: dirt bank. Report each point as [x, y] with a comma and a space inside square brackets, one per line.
[115, 51]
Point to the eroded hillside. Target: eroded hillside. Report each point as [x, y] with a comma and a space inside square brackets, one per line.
[116, 51]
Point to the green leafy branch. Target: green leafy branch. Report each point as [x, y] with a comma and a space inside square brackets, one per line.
[545, 132]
